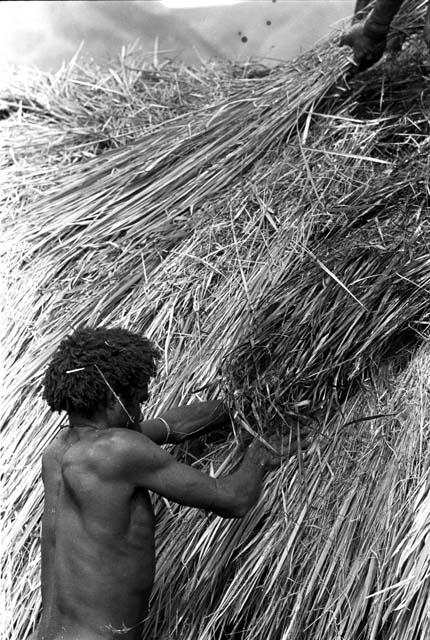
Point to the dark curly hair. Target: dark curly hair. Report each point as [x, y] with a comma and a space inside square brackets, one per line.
[90, 360]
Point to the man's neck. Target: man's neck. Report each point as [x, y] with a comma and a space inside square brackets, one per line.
[78, 421]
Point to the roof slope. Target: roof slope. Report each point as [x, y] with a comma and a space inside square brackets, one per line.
[270, 231]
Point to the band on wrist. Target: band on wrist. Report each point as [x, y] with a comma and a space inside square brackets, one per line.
[168, 429]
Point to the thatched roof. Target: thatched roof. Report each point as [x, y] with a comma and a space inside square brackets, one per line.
[269, 229]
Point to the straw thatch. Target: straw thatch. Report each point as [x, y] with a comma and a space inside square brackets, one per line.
[269, 229]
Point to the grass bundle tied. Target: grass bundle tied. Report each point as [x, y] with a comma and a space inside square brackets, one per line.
[269, 230]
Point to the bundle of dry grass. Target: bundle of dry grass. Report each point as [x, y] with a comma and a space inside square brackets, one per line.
[270, 231]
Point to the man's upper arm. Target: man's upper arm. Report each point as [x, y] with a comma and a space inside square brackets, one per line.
[179, 423]
[156, 430]
[144, 464]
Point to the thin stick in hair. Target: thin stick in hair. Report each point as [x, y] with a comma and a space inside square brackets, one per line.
[115, 394]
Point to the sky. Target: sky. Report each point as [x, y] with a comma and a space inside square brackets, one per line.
[44, 34]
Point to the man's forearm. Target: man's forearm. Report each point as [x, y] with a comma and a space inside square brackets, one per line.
[240, 491]
[379, 20]
[194, 419]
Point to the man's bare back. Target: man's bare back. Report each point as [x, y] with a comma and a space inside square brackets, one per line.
[98, 558]
[97, 544]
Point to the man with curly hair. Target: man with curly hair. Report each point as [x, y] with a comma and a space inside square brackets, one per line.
[98, 557]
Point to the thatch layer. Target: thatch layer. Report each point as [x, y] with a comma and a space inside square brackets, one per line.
[270, 231]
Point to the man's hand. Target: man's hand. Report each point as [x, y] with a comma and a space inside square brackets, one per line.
[273, 450]
[367, 49]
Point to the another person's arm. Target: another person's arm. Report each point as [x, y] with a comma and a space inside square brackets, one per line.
[369, 38]
[178, 424]
[380, 18]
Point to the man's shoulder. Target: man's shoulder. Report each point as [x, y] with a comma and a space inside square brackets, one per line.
[117, 441]
[55, 450]
[110, 451]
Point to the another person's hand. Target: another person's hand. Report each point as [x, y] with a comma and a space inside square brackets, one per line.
[367, 49]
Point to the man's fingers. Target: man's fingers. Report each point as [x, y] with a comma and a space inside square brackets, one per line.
[298, 445]
[352, 37]
[366, 50]
[288, 446]
[280, 447]
[346, 40]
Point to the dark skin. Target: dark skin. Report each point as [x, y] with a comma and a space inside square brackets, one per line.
[368, 38]
[98, 555]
